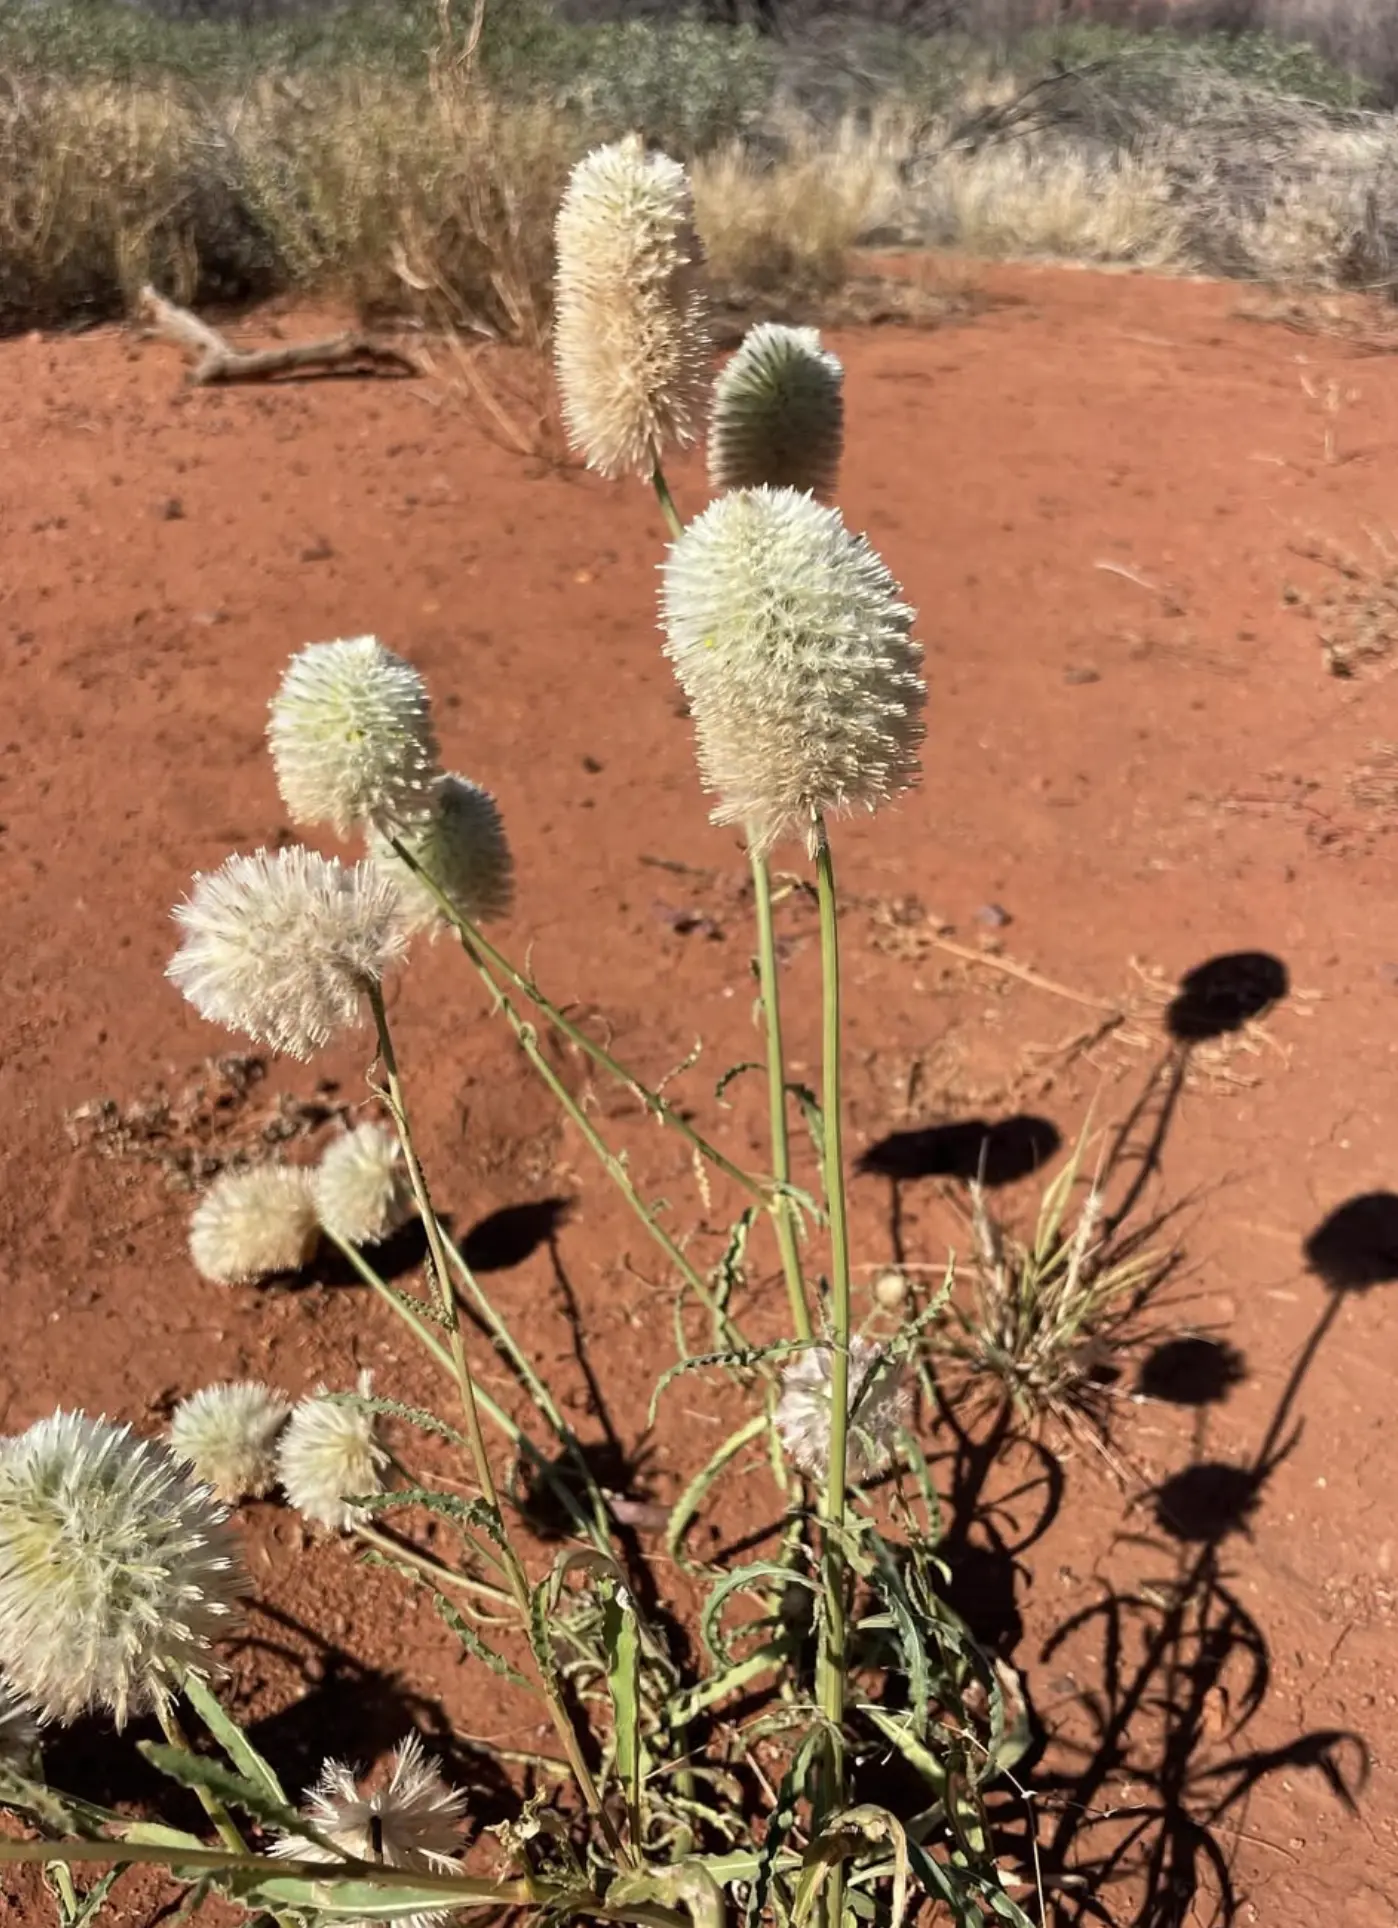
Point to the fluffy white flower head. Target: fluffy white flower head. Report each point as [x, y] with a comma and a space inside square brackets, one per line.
[631, 334]
[351, 736]
[228, 1435]
[328, 1454]
[463, 848]
[282, 946]
[360, 1187]
[878, 1401]
[117, 1570]
[253, 1224]
[412, 1823]
[778, 413]
[789, 639]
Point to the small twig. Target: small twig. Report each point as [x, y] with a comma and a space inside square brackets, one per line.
[216, 360]
[1008, 968]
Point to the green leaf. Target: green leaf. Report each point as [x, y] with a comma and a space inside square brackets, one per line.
[689, 1886]
[842, 1838]
[746, 1579]
[89, 1905]
[783, 1820]
[812, 1115]
[192, 1770]
[156, 1834]
[58, 1813]
[394, 1409]
[231, 1738]
[477, 1647]
[687, 1506]
[739, 1357]
[729, 1271]
[735, 1071]
[450, 1506]
[622, 1639]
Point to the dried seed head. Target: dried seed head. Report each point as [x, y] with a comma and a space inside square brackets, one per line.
[329, 1454]
[351, 736]
[890, 1291]
[360, 1187]
[463, 848]
[794, 651]
[253, 1224]
[631, 336]
[878, 1402]
[228, 1435]
[413, 1823]
[778, 413]
[117, 1571]
[282, 946]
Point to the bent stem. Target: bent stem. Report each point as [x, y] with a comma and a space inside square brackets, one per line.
[783, 1209]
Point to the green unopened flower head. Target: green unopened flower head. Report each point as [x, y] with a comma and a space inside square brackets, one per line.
[117, 1570]
[631, 334]
[254, 1224]
[463, 848]
[791, 643]
[778, 413]
[228, 1436]
[360, 1187]
[328, 1455]
[351, 736]
[282, 946]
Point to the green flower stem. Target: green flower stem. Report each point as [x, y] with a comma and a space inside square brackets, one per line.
[783, 1209]
[224, 1825]
[515, 1575]
[673, 520]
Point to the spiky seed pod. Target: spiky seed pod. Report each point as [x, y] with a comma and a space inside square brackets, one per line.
[632, 331]
[778, 413]
[228, 1435]
[351, 736]
[413, 1823]
[330, 1453]
[117, 1570]
[360, 1187]
[253, 1224]
[878, 1401]
[794, 651]
[19, 1732]
[282, 946]
[463, 848]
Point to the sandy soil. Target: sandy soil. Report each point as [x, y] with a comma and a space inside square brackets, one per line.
[1122, 508]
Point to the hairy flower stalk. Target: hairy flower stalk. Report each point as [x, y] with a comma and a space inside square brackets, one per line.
[117, 1570]
[282, 946]
[878, 1407]
[351, 736]
[254, 1224]
[632, 335]
[789, 640]
[412, 1823]
[360, 1186]
[462, 847]
[778, 414]
[228, 1434]
[328, 1455]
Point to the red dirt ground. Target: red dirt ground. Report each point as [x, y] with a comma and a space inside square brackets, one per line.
[1097, 493]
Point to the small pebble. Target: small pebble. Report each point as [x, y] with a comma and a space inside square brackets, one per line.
[1083, 674]
[993, 917]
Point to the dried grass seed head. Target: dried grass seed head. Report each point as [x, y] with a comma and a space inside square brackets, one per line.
[329, 1454]
[360, 1187]
[789, 640]
[463, 848]
[878, 1405]
[282, 945]
[631, 335]
[351, 736]
[254, 1224]
[227, 1435]
[778, 413]
[117, 1569]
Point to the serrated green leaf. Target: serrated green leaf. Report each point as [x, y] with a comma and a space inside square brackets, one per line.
[194, 1771]
[231, 1738]
[779, 1826]
[418, 1416]
[733, 1072]
[622, 1641]
[737, 1356]
[471, 1513]
[476, 1647]
[746, 1579]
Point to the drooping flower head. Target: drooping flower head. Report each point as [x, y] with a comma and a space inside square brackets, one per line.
[878, 1402]
[778, 413]
[791, 644]
[463, 848]
[351, 736]
[117, 1570]
[330, 1454]
[253, 1224]
[631, 333]
[283, 946]
[228, 1436]
[412, 1823]
[360, 1187]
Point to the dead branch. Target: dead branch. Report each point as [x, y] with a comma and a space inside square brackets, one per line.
[216, 360]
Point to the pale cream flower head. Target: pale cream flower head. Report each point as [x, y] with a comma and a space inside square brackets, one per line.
[227, 1435]
[462, 847]
[631, 332]
[328, 1455]
[117, 1570]
[254, 1224]
[878, 1403]
[282, 946]
[778, 413]
[360, 1187]
[789, 640]
[351, 736]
